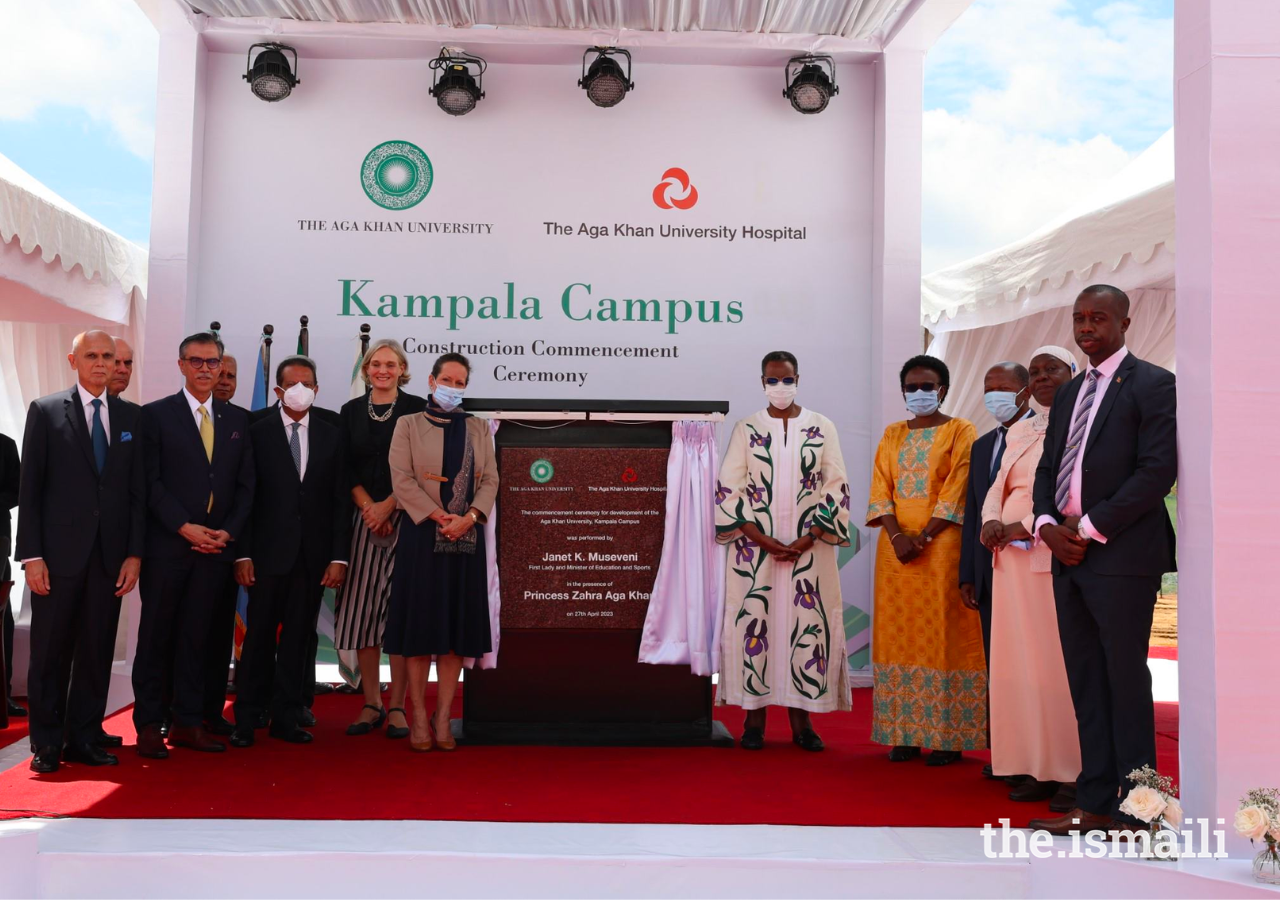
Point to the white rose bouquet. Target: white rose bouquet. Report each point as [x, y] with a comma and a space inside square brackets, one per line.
[1258, 819]
[1152, 799]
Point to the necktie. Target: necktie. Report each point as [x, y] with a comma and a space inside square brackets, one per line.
[99, 435]
[1000, 445]
[295, 447]
[1075, 438]
[206, 438]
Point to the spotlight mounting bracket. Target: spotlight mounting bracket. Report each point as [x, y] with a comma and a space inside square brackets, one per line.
[287, 75]
[810, 67]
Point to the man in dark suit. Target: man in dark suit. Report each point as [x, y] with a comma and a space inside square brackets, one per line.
[81, 517]
[199, 471]
[1007, 396]
[295, 547]
[9, 475]
[1110, 459]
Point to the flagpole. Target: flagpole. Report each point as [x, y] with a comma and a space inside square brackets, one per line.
[304, 337]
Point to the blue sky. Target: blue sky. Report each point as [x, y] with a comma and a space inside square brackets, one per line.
[1028, 103]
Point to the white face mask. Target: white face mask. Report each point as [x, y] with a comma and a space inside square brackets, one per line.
[299, 397]
[780, 395]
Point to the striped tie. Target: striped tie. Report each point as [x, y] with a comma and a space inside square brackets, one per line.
[1075, 438]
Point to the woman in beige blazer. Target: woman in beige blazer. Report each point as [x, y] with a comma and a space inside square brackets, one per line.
[445, 478]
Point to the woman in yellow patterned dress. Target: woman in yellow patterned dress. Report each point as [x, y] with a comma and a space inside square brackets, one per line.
[926, 647]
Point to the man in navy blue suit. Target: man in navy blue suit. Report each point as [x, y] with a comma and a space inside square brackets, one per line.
[81, 514]
[200, 479]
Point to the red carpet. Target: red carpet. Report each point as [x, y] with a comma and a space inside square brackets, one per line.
[17, 731]
[340, 777]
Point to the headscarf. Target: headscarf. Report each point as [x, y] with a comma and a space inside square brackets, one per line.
[1061, 353]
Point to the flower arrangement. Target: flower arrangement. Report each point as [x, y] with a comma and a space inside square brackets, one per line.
[1258, 819]
[1153, 800]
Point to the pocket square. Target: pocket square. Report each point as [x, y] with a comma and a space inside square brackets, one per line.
[125, 436]
[235, 435]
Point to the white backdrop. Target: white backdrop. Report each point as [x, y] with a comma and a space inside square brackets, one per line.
[536, 151]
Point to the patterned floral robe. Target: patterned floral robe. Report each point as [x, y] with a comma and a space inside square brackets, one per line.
[783, 640]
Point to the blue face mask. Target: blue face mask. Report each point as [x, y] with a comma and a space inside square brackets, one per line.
[448, 397]
[1003, 405]
[922, 403]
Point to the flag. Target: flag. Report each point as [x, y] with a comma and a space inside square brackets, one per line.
[258, 402]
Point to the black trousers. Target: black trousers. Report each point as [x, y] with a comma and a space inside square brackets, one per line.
[983, 598]
[179, 597]
[8, 642]
[277, 675]
[222, 637]
[72, 627]
[1104, 622]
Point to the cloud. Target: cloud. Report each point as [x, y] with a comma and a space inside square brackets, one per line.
[98, 56]
[1030, 105]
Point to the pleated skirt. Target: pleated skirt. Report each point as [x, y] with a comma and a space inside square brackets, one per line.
[363, 601]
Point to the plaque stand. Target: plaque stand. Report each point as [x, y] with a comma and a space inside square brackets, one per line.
[567, 671]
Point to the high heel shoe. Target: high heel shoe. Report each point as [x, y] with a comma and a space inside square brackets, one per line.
[444, 741]
[356, 728]
[424, 746]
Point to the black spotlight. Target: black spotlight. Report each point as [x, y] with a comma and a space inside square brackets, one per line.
[456, 89]
[268, 74]
[604, 82]
[810, 83]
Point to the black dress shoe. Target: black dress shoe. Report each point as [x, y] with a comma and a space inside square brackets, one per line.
[242, 737]
[306, 718]
[219, 725]
[107, 741]
[294, 735]
[45, 762]
[1032, 791]
[1065, 799]
[808, 740]
[987, 773]
[324, 687]
[88, 754]
[752, 739]
[904, 754]
[942, 758]
[16, 710]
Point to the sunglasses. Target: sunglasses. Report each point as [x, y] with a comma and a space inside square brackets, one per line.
[213, 363]
[788, 381]
[925, 386]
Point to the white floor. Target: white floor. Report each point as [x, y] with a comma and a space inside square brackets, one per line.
[217, 858]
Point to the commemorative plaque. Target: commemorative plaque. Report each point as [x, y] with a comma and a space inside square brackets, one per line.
[581, 535]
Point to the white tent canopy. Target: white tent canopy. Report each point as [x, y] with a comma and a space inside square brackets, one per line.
[1006, 303]
[60, 273]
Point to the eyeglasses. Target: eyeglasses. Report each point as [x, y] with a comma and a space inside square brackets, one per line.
[925, 386]
[788, 381]
[213, 363]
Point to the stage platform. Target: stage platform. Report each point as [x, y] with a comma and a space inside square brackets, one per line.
[221, 858]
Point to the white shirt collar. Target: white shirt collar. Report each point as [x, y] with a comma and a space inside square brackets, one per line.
[1109, 365]
[86, 398]
[304, 421]
[196, 404]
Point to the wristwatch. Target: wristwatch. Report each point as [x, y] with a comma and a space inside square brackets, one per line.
[1080, 530]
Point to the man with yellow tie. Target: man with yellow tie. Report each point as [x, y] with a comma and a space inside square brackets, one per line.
[200, 478]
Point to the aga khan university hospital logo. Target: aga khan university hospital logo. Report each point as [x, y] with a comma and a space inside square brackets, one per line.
[675, 181]
[396, 175]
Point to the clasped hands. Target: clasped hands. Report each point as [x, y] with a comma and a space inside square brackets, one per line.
[452, 527]
[205, 540]
[1065, 541]
[377, 516]
[997, 535]
[786, 552]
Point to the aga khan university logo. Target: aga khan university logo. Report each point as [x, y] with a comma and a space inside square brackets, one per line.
[396, 175]
[675, 180]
